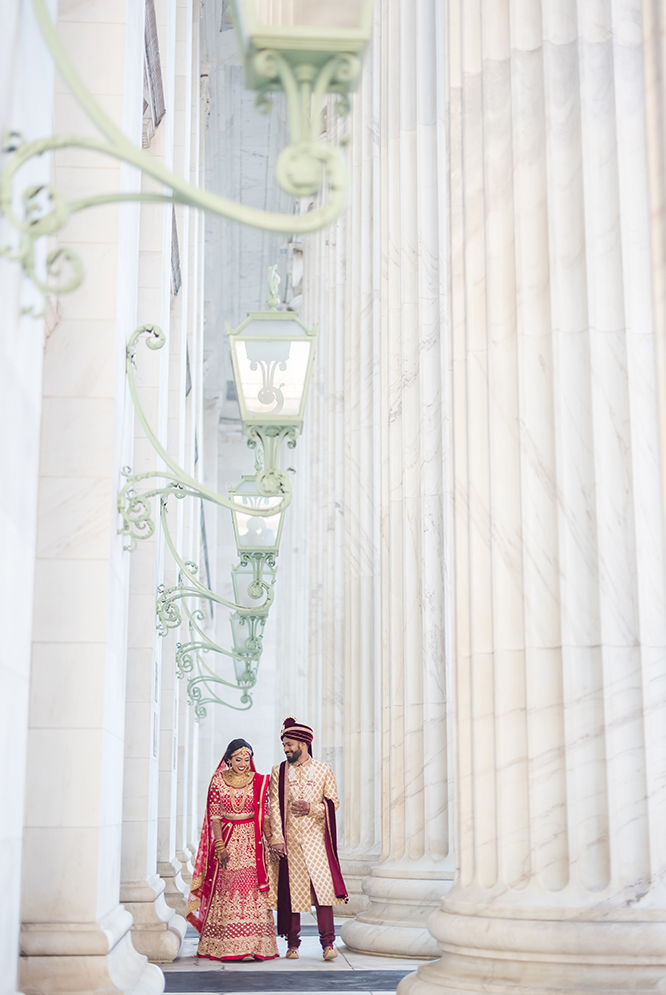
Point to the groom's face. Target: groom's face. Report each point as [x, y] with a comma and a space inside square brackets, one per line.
[293, 750]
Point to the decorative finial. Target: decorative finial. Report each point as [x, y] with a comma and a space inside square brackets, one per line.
[273, 298]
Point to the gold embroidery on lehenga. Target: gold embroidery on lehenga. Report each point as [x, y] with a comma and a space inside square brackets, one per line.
[239, 922]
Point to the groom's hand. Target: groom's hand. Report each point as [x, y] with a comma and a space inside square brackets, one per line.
[279, 849]
[300, 808]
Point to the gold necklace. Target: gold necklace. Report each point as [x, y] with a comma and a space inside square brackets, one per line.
[239, 808]
[237, 781]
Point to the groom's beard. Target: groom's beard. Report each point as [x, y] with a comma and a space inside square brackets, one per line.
[295, 757]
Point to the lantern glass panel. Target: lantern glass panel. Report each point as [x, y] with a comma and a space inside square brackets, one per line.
[241, 631]
[253, 531]
[246, 671]
[273, 372]
[242, 578]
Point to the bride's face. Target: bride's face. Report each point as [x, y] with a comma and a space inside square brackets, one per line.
[240, 760]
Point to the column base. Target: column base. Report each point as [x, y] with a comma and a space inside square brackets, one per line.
[158, 931]
[512, 956]
[186, 867]
[355, 868]
[72, 958]
[400, 901]
[175, 891]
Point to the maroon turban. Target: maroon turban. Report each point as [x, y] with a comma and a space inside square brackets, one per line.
[296, 730]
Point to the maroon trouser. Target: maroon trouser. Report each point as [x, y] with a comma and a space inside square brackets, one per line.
[324, 922]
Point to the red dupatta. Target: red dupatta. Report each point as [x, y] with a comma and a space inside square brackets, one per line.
[206, 866]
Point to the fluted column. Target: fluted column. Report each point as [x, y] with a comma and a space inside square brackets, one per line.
[157, 931]
[361, 835]
[26, 82]
[560, 598]
[375, 284]
[324, 305]
[75, 934]
[415, 869]
[152, 887]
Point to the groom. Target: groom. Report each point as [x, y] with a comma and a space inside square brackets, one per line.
[304, 798]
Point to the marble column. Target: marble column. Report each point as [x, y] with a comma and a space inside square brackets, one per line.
[157, 931]
[26, 82]
[341, 274]
[183, 55]
[323, 304]
[75, 934]
[361, 836]
[183, 852]
[193, 327]
[148, 880]
[181, 514]
[654, 41]
[560, 594]
[404, 353]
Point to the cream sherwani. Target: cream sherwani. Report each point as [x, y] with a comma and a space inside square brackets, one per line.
[311, 781]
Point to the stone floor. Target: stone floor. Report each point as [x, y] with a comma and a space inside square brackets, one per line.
[350, 973]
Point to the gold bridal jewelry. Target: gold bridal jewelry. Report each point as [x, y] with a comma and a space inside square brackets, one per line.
[235, 780]
[239, 808]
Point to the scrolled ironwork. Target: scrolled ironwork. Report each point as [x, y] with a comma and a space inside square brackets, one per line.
[202, 679]
[302, 167]
[135, 506]
[174, 604]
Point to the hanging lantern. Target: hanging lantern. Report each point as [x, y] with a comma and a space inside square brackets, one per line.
[271, 355]
[255, 533]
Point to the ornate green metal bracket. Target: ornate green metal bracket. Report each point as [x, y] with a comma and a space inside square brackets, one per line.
[257, 562]
[270, 439]
[136, 510]
[203, 679]
[304, 167]
[135, 506]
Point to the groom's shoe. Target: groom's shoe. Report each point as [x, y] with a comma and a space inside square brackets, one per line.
[330, 953]
[292, 953]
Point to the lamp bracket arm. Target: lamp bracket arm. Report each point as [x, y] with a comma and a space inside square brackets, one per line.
[301, 170]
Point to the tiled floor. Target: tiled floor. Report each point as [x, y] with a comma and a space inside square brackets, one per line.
[350, 973]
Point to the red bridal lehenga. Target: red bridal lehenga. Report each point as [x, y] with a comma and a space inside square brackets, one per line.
[229, 906]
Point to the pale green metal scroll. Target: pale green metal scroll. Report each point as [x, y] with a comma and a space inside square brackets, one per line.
[135, 509]
[203, 681]
[304, 167]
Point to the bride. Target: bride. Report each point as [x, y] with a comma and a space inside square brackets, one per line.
[228, 903]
